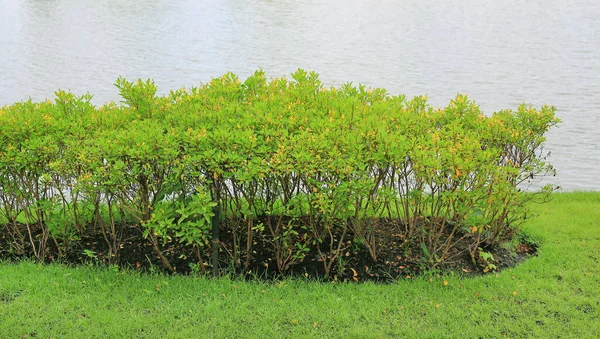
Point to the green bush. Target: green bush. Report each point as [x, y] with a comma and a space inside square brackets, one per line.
[303, 168]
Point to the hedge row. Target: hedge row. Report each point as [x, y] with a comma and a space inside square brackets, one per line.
[304, 167]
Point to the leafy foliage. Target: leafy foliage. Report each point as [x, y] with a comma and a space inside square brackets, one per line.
[320, 165]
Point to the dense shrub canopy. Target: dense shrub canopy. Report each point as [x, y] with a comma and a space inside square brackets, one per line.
[305, 168]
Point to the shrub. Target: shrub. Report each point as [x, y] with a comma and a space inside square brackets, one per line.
[292, 165]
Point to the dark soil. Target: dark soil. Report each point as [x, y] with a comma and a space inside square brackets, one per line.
[395, 257]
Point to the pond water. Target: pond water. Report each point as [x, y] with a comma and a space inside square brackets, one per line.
[500, 53]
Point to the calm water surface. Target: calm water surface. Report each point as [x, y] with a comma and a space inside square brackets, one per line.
[500, 53]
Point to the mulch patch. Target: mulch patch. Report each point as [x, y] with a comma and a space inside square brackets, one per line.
[395, 257]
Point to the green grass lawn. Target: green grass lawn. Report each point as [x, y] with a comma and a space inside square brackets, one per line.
[556, 294]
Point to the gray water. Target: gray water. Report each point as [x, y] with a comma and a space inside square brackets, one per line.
[500, 53]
